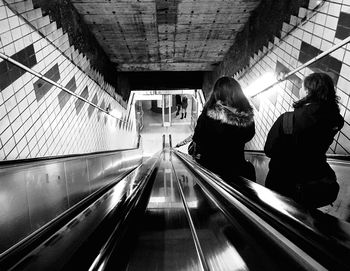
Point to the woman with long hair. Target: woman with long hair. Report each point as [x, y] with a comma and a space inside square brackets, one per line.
[223, 128]
[298, 153]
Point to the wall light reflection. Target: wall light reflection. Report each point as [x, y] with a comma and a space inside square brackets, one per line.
[260, 84]
[270, 198]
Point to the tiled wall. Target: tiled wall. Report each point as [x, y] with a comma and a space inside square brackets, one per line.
[304, 37]
[38, 119]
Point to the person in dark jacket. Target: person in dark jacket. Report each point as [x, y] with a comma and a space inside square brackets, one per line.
[184, 104]
[178, 104]
[301, 156]
[224, 126]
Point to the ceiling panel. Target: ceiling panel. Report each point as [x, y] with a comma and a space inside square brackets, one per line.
[165, 35]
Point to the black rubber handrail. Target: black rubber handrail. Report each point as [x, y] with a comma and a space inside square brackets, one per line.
[17, 252]
[340, 157]
[321, 236]
[63, 157]
[132, 207]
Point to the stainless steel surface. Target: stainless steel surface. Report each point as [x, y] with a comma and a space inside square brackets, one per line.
[31, 195]
[46, 193]
[230, 235]
[340, 208]
[165, 242]
[325, 240]
[55, 253]
[77, 181]
[14, 209]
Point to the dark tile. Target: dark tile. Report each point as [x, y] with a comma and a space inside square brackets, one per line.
[342, 32]
[32, 60]
[41, 87]
[85, 93]
[15, 73]
[63, 98]
[92, 108]
[296, 84]
[3, 68]
[78, 105]
[344, 19]
[71, 85]
[103, 105]
[307, 52]
[327, 64]
[5, 81]
[281, 68]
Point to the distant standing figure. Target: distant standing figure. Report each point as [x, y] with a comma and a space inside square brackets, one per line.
[184, 105]
[299, 156]
[178, 104]
[224, 126]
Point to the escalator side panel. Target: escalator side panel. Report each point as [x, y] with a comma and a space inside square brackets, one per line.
[34, 194]
[57, 252]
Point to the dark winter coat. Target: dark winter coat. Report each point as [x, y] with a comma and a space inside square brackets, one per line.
[178, 99]
[301, 157]
[220, 136]
[184, 102]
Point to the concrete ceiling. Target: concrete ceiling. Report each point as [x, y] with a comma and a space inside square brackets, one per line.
[165, 35]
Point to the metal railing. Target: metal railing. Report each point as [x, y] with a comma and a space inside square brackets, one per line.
[31, 71]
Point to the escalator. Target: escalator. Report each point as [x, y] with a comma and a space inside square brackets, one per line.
[172, 214]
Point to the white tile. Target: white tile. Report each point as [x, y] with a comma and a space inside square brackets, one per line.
[345, 8]
[307, 37]
[10, 49]
[318, 30]
[24, 153]
[3, 13]
[14, 22]
[343, 97]
[16, 33]
[347, 57]
[321, 19]
[6, 38]
[334, 9]
[313, 4]
[332, 22]
[6, 135]
[339, 54]
[19, 136]
[326, 45]
[10, 149]
[344, 84]
[13, 115]
[345, 70]
[19, 45]
[316, 42]
[4, 26]
[329, 34]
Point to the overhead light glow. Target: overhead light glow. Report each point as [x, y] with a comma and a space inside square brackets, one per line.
[260, 84]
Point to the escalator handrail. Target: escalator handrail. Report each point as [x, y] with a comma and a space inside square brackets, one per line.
[335, 157]
[307, 228]
[49, 159]
[110, 245]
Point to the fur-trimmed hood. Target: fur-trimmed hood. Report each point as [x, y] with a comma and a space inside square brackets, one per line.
[230, 115]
